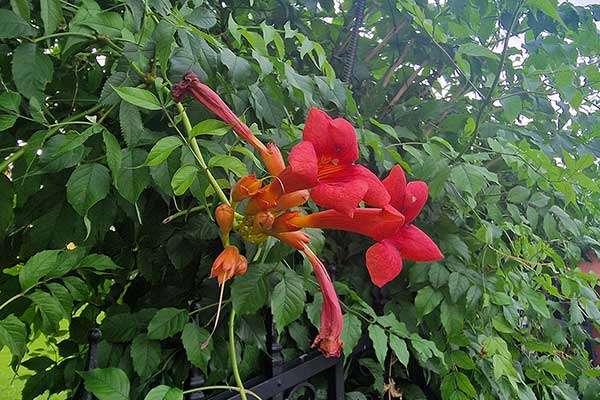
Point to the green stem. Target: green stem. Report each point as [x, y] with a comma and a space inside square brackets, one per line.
[198, 155]
[234, 366]
[223, 387]
[59, 34]
[16, 296]
[488, 99]
[182, 213]
[204, 308]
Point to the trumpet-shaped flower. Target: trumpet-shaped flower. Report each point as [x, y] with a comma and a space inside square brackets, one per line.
[229, 263]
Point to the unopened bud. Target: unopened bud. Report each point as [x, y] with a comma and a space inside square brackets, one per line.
[273, 159]
[263, 220]
[224, 215]
[291, 200]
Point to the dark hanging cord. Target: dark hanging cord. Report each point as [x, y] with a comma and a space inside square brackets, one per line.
[351, 55]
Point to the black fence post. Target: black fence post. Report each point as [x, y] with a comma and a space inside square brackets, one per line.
[94, 337]
[195, 378]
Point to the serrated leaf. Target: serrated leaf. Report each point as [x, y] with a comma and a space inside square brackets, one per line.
[145, 355]
[113, 153]
[31, 70]
[51, 13]
[458, 284]
[10, 101]
[229, 163]
[380, 342]
[50, 309]
[211, 127]
[99, 262]
[193, 337]
[13, 334]
[73, 139]
[427, 300]
[249, 292]
[12, 25]
[163, 34]
[119, 328]
[518, 195]
[37, 267]
[288, 299]
[163, 392]
[139, 97]
[400, 349]
[77, 287]
[162, 150]
[351, 332]
[202, 17]
[167, 322]
[183, 178]
[88, 184]
[107, 383]
[7, 122]
[131, 180]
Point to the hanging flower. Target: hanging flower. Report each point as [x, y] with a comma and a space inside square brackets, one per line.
[229, 263]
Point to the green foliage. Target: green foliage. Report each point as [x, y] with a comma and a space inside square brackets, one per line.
[505, 132]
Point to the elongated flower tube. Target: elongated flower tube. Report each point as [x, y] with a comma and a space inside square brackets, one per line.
[191, 85]
[328, 340]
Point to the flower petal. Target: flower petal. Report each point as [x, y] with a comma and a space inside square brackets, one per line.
[395, 184]
[383, 262]
[414, 199]
[376, 195]
[414, 244]
[333, 139]
[303, 169]
[343, 197]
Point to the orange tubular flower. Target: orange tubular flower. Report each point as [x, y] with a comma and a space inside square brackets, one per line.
[224, 215]
[229, 263]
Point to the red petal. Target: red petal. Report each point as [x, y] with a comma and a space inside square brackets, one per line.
[395, 184]
[343, 196]
[414, 200]
[376, 195]
[383, 262]
[303, 170]
[333, 139]
[414, 244]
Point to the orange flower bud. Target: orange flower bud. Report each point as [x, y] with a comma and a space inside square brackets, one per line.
[246, 187]
[263, 220]
[283, 224]
[229, 263]
[273, 159]
[291, 200]
[224, 215]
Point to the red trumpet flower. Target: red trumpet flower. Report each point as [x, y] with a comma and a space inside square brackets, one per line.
[324, 160]
[389, 226]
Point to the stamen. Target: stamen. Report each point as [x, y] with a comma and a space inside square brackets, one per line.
[205, 344]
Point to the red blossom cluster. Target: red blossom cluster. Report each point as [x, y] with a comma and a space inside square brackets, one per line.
[321, 167]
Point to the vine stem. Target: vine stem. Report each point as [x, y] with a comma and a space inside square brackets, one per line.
[16, 296]
[233, 357]
[182, 213]
[223, 387]
[488, 99]
[198, 155]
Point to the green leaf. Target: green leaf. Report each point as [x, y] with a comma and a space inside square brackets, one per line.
[119, 328]
[163, 392]
[113, 153]
[476, 50]
[202, 17]
[73, 139]
[163, 33]
[88, 184]
[351, 333]
[458, 284]
[167, 322]
[107, 383]
[10, 101]
[99, 262]
[163, 149]
[37, 267]
[139, 97]
[400, 349]
[239, 68]
[548, 8]
[12, 25]
[13, 334]
[471, 178]
[518, 195]
[212, 127]
[288, 299]
[427, 300]
[380, 342]
[511, 107]
[7, 214]
[31, 70]
[145, 355]
[183, 178]
[229, 163]
[249, 292]
[50, 309]
[438, 276]
[77, 287]
[131, 180]
[51, 15]
[193, 337]
[7, 122]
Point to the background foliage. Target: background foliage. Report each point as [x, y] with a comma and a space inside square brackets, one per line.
[493, 103]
